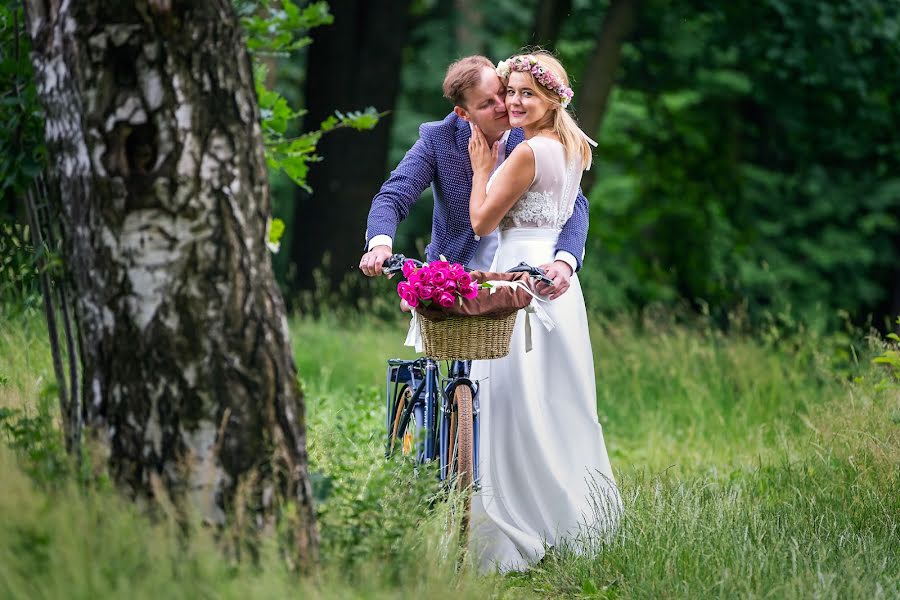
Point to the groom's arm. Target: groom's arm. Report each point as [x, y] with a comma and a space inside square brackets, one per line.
[398, 194]
[569, 250]
[572, 238]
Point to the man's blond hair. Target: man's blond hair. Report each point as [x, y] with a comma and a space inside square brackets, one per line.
[462, 75]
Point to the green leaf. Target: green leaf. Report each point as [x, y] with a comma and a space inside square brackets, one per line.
[276, 230]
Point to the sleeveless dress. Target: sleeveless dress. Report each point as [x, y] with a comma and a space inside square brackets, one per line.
[545, 475]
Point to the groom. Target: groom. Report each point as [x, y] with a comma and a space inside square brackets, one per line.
[440, 158]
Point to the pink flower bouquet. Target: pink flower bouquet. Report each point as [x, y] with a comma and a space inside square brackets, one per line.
[440, 282]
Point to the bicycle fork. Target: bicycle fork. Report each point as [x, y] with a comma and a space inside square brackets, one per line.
[430, 394]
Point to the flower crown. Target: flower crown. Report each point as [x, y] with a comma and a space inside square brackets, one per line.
[527, 63]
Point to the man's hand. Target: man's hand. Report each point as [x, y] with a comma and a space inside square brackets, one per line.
[560, 272]
[372, 261]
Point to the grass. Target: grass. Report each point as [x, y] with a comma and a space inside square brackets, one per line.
[748, 469]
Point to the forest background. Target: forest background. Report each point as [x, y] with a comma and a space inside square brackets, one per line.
[745, 232]
[749, 159]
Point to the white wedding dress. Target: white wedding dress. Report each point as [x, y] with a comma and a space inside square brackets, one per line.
[545, 475]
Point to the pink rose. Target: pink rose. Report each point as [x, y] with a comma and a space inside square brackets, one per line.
[446, 299]
[450, 285]
[439, 276]
[464, 279]
[409, 267]
[468, 292]
[405, 290]
[455, 271]
[425, 274]
[441, 265]
[426, 292]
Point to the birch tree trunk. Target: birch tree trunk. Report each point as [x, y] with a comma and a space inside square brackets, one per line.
[152, 130]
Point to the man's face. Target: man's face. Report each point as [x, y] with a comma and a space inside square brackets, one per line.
[485, 104]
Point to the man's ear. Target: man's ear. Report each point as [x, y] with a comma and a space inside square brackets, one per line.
[461, 113]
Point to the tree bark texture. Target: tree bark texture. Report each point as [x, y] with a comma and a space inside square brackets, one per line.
[351, 64]
[600, 73]
[152, 128]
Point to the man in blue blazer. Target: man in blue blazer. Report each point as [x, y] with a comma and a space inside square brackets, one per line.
[440, 158]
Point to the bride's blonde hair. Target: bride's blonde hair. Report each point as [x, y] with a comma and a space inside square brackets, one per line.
[558, 118]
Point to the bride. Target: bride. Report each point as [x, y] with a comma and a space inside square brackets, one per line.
[546, 479]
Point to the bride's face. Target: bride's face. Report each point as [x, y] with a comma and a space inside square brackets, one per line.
[523, 104]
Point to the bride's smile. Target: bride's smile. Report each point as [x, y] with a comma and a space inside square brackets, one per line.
[524, 107]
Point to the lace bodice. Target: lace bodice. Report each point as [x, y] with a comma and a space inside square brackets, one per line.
[550, 199]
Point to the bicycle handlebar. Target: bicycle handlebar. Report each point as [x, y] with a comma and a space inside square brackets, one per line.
[394, 264]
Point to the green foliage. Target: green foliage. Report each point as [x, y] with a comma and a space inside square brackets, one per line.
[19, 284]
[22, 142]
[890, 359]
[748, 155]
[276, 230]
[279, 27]
[21, 159]
[37, 440]
[730, 173]
[742, 466]
[364, 504]
[276, 29]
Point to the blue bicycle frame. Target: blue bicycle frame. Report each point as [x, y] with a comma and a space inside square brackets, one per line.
[431, 405]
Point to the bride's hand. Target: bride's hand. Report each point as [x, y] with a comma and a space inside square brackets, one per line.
[483, 158]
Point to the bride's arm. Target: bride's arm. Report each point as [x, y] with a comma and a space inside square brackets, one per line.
[487, 209]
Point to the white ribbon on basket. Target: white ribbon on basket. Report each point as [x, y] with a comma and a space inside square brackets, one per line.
[414, 335]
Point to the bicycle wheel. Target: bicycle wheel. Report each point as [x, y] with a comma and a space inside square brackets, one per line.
[459, 453]
[401, 435]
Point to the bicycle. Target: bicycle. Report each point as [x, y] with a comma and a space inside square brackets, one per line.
[433, 416]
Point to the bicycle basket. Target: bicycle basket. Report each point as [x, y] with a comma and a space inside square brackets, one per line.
[477, 329]
[467, 338]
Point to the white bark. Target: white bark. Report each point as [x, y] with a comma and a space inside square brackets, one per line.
[153, 134]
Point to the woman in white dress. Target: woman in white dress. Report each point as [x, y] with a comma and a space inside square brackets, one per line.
[546, 479]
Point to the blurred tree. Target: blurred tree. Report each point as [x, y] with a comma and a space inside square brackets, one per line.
[354, 62]
[548, 20]
[602, 68]
[751, 156]
[154, 140]
[469, 27]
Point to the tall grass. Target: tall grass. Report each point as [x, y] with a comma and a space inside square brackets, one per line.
[748, 469]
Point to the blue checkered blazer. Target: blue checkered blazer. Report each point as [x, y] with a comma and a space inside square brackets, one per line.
[440, 158]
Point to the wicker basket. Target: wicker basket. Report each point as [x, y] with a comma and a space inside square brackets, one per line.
[467, 338]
